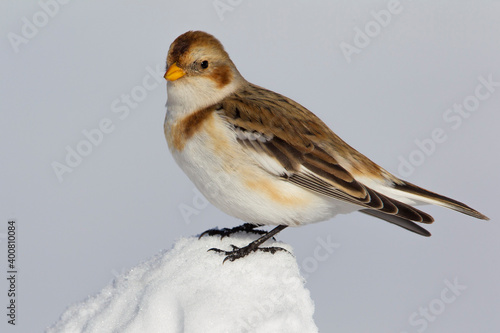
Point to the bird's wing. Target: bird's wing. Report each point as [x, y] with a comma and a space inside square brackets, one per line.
[286, 139]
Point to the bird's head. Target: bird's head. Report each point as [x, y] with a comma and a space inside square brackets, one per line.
[199, 71]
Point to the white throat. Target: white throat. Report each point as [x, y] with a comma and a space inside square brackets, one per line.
[191, 94]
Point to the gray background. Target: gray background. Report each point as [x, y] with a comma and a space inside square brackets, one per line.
[121, 205]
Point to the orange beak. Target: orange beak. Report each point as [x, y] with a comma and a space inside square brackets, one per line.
[174, 72]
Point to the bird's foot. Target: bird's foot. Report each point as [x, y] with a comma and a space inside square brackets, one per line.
[225, 232]
[240, 252]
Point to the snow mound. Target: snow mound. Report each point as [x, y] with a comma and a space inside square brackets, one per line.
[188, 289]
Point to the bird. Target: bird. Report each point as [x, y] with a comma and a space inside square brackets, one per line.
[265, 159]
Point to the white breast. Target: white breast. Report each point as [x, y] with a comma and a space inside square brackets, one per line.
[232, 180]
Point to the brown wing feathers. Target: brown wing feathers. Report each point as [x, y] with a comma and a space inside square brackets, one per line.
[291, 143]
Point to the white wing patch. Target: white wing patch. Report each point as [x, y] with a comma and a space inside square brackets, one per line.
[386, 188]
[254, 144]
[252, 136]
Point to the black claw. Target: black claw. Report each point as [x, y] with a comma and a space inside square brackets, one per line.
[217, 250]
[225, 232]
[240, 252]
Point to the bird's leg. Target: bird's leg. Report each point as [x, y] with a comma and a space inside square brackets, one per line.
[247, 227]
[240, 252]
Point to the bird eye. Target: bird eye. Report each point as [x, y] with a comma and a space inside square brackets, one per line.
[204, 64]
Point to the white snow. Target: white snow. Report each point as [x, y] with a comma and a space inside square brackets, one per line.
[188, 289]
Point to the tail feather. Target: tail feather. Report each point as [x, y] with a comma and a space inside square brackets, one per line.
[394, 207]
[420, 194]
[399, 221]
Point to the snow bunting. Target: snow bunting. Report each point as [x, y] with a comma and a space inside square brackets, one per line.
[267, 160]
